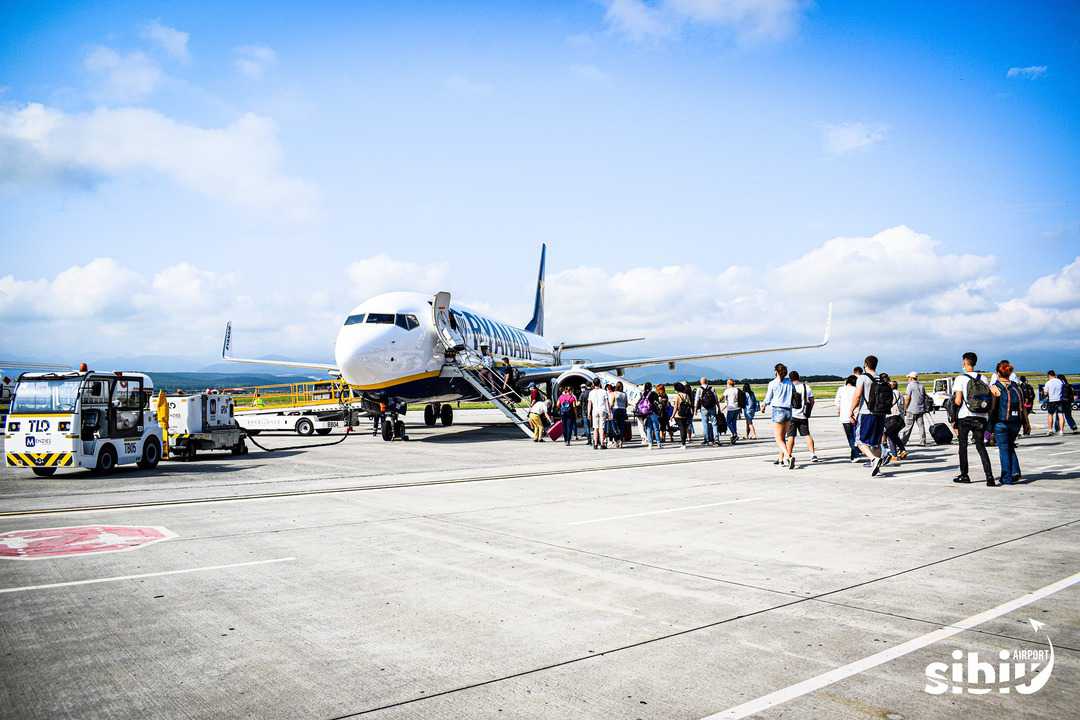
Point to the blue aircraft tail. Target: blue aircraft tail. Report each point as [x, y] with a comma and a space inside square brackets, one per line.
[536, 325]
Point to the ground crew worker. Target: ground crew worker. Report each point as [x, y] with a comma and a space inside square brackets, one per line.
[163, 421]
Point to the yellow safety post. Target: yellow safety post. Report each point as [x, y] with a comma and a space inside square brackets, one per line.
[163, 421]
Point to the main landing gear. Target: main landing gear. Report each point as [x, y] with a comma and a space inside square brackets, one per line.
[436, 412]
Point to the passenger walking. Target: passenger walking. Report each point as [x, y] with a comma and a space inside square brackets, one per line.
[972, 398]
[599, 414]
[778, 400]
[845, 394]
[683, 412]
[802, 403]
[1054, 388]
[1029, 403]
[916, 405]
[663, 413]
[1007, 421]
[538, 413]
[568, 413]
[652, 417]
[706, 403]
[733, 409]
[750, 409]
[1067, 399]
[583, 409]
[618, 413]
[869, 407]
[894, 423]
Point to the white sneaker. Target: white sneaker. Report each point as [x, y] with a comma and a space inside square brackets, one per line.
[814, 458]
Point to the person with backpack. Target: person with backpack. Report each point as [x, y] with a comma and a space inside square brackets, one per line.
[973, 400]
[894, 423]
[706, 403]
[802, 403]
[683, 411]
[845, 394]
[778, 399]
[749, 403]
[869, 407]
[1007, 417]
[1068, 397]
[917, 404]
[567, 404]
[1054, 389]
[663, 414]
[1028, 393]
[732, 409]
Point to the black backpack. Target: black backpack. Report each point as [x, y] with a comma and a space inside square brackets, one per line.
[708, 398]
[978, 398]
[1029, 394]
[881, 397]
[796, 399]
[686, 407]
[742, 399]
[1067, 393]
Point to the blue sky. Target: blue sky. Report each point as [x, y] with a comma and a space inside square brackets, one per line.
[273, 163]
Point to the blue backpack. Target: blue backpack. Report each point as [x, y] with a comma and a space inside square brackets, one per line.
[1010, 404]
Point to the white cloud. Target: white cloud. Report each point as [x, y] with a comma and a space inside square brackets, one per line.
[123, 78]
[849, 137]
[1060, 289]
[172, 41]
[99, 288]
[465, 87]
[239, 163]
[381, 273]
[253, 60]
[1031, 72]
[750, 20]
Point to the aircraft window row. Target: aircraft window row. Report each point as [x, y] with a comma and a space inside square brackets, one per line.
[355, 319]
[407, 322]
[380, 319]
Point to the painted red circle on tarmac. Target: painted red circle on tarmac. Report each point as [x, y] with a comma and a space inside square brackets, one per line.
[78, 540]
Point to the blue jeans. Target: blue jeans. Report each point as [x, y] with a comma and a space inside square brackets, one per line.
[732, 423]
[849, 431]
[1005, 436]
[652, 429]
[708, 425]
[585, 424]
[569, 426]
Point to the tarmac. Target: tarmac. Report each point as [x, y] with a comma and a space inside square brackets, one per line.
[471, 573]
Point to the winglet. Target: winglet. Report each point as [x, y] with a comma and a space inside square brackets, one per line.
[828, 326]
[226, 347]
[536, 325]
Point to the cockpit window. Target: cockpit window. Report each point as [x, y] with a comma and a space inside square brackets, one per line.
[407, 322]
[355, 319]
[380, 318]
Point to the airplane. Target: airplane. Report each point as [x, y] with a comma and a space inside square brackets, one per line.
[406, 347]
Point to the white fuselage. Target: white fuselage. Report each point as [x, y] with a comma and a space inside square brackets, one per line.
[390, 342]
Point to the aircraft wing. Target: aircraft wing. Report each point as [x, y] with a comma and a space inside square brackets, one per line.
[226, 354]
[537, 374]
[21, 365]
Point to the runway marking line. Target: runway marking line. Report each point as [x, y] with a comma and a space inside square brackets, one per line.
[669, 510]
[1067, 452]
[117, 578]
[843, 672]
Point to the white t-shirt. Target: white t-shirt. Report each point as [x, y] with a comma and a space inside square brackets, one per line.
[863, 385]
[960, 385]
[731, 399]
[539, 407]
[1053, 388]
[598, 403]
[843, 399]
[800, 389]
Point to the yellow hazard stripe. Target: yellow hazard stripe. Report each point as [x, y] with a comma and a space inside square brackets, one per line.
[59, 459]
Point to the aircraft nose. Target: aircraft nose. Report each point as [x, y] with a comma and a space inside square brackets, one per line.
[357, 355]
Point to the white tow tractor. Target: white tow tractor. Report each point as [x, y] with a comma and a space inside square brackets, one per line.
[87, 419]
[203, 422]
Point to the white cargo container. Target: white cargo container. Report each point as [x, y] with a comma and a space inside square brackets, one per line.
[203, 422]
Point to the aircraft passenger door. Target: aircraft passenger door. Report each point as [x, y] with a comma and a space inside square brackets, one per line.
[444, 323]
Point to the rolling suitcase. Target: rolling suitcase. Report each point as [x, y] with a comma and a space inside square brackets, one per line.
[555, 431]
[941, 433]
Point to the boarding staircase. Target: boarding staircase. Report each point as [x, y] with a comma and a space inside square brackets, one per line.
[489, 384]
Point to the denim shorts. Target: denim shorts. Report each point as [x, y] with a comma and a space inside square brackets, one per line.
[781, 415]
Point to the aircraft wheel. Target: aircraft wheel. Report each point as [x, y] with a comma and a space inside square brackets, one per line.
[399, 429]
[429, 415]
[446, 414]
[387, 431]
[304, 427]
[44, 471]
